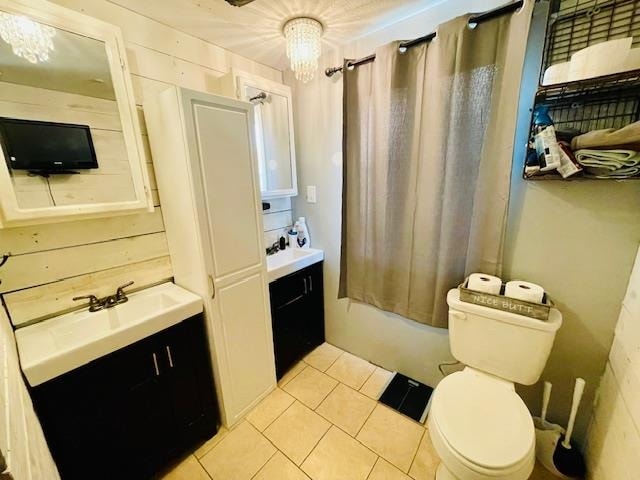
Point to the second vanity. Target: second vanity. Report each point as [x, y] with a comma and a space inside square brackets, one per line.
[297, 304]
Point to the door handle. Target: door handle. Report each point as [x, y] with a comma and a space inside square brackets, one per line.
[293, 300]
[155, 364]
[305, 285]
[213, 287]
[169, 357]
[310, 284]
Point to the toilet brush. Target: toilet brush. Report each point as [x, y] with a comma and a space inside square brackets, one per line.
[567, 459]
[547, 434]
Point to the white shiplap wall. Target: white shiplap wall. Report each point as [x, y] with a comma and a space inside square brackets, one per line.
[47, 265]
[614, 433]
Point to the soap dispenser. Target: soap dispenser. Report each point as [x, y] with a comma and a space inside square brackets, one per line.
[303, 233]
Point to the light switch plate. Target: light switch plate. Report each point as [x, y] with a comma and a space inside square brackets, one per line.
[311, 194]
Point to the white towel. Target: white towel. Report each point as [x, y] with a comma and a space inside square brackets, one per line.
[609, 163]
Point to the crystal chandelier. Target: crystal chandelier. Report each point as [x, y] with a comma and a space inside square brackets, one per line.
[28, 39]
[303, 46]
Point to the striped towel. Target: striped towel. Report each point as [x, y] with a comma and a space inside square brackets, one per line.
[609, 163]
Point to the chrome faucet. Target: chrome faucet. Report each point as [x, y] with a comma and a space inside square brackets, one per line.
[96, 304]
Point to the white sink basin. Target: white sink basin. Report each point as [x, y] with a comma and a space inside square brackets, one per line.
[58, 345]
[291, 260]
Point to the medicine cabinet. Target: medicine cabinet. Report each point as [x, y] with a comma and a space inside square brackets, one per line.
[275, 142]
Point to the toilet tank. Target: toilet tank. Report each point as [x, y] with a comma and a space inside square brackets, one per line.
[504, 344]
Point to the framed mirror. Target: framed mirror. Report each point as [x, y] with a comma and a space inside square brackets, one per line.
[275, 141]
[69, 129]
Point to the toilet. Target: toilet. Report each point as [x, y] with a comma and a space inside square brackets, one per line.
[479, 426]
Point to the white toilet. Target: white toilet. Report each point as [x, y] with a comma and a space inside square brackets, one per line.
[478, 424]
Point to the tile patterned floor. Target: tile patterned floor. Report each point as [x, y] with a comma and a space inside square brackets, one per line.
[323, 422]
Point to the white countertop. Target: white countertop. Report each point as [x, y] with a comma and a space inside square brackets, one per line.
[58, 345]
[291, 260]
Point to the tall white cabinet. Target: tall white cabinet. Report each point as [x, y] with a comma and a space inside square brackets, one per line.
[204, 152]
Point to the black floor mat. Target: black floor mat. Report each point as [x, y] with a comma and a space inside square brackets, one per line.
[407, 396]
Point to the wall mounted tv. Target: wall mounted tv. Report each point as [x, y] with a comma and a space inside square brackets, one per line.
[47, 147]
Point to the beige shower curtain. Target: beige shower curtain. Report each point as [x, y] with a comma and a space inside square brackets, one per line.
[428, 139]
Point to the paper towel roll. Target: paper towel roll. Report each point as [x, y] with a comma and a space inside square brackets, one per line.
[527, 291]
[481, 282]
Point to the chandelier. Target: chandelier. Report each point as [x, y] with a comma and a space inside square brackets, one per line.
[303, 46]
[28, 38]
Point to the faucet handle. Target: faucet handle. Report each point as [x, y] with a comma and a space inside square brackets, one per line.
[94, 303]
[120, 290]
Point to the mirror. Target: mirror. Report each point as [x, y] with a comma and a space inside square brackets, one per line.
[69, 140]
[274, 136]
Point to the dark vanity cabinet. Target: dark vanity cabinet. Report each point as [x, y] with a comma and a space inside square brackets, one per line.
[297, 313]
[126, 414]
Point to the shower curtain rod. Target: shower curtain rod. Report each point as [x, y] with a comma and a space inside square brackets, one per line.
[483, 17]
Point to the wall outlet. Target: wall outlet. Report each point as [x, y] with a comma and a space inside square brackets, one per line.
[311, 194]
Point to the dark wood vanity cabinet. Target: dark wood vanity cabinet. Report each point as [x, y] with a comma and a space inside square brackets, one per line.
[126, 414]
[297, 314]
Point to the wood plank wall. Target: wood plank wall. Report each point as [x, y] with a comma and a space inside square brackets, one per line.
[49, 264]
[613, 440]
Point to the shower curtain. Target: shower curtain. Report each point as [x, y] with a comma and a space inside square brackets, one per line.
[427, 145]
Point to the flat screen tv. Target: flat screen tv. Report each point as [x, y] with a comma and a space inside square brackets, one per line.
[47, 146]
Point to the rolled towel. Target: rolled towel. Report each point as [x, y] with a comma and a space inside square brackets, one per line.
[609, 137]
[609, 163]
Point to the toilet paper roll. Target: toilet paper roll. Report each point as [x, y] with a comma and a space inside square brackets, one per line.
[529, 292]
[481, 282]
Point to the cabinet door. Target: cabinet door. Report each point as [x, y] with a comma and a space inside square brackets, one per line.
[187, 367]
[315, 332]
[248, 346]
[75, 411]
[274, 135]
[289, 302]
[222, 157]
[145, 413]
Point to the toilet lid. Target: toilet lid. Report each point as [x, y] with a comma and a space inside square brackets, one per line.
[483, 419]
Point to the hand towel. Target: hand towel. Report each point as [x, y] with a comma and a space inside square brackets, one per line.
[609, 163]
[609, 138]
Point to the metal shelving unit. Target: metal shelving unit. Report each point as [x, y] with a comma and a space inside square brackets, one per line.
[611, 101]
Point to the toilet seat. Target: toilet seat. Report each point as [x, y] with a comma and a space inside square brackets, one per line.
[483, 421]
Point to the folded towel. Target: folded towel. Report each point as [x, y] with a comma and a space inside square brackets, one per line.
[625, 172]
[609, 163]
[609, 138]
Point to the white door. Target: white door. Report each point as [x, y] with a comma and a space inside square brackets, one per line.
[221, 143]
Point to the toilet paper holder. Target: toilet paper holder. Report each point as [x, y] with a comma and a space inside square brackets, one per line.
[539, 311]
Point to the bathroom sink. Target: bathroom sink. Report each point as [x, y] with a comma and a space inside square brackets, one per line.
[58, 345]
[291, 260]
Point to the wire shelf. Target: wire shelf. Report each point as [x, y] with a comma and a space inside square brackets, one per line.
[581, 23]
[611, 101]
